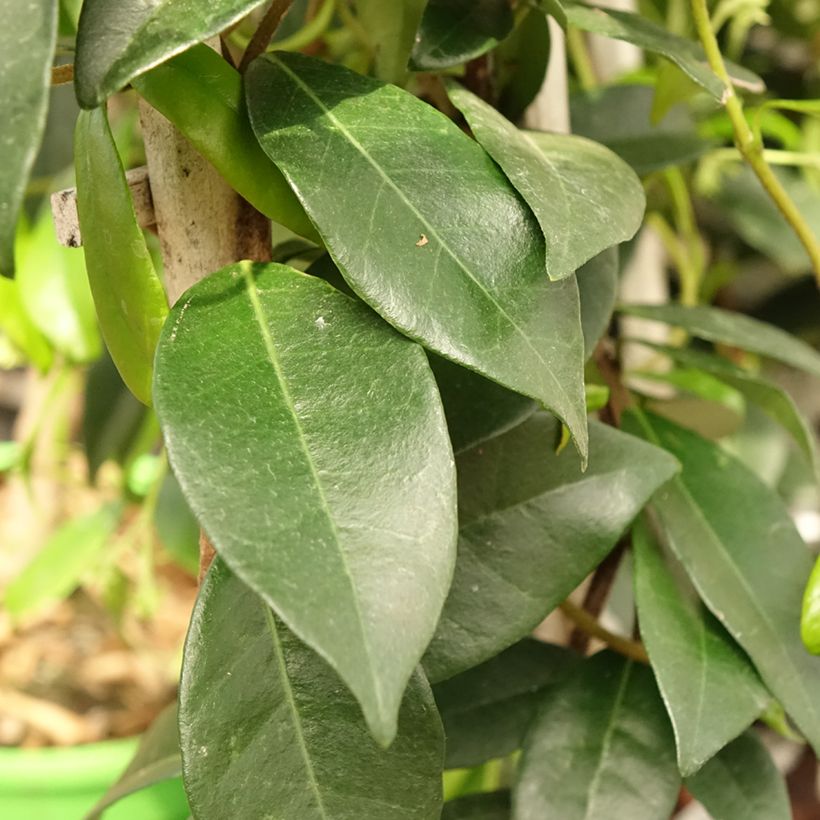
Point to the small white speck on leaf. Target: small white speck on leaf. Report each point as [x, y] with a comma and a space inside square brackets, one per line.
[423, 240]
[320, 322]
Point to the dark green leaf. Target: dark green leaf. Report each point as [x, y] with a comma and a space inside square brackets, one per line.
[267, 729]
[584, 197]
[176, 526]
[601, 747]
[735, 329]
[119, 39]
[157, 759]
[487, 710]
[318, 463]
[490, 806]
[598, 291]
[130, 301]
[729, 530]
[442, 227]
[742, 783]
[27, 44]
[455, 31]
[810, 617]
[711, 691]
[392, 30]
[686, 54]
[532, 526]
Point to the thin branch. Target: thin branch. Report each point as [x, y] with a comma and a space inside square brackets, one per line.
[610, 370]
[624, 646]
[265, 31]
[62, 74]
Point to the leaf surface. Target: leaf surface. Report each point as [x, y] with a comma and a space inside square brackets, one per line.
[810, 615]
[392, 30]
[19, 328]
[489, 806]
[317, 461]
[598, 291]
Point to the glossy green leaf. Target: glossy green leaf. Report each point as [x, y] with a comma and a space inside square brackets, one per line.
[119, 39]
[487, 710]
[57, 569]
[585, 198]
[392, 30]
[810, 616]
[730, 531]
[130, 301]
[600, 747]
[18, 327]
[598, 291]
[489, 806]
[442, 227]
[203, 96]
[742, 783]
[455, 31]
[532, 526]
[177, 529]
[267, 729]
[318, 463]
[157, 759]
[710, 689]
[27, 39]
[736, 329]
[638, 30]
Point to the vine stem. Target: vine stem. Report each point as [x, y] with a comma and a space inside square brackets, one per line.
[749, 145]
[266, 29]
[586, 622]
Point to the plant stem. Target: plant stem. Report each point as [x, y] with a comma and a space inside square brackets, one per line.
[62, 74]
[747, 143]
[585, 621]
[266, 29]
[581, 61]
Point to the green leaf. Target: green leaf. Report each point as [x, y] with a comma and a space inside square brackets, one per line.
[157, 759]
[711, 691]
[742, 783]
[734, 329]
[130, 301]
[555, 8]
[598, 291]
[442, 227]
[600, 747]
[11, 454]
[487, 710]
[391, 28]
[686, 54]
[267, 729]
[318, 463]
[18, 327]
[177, 529]
[532, 526]
[585, 198]
[27, 39]
[119, 39]
[57, 569]
[489, 806]
[455, 31]
[203, 96]
[729, 529]
[810, 616]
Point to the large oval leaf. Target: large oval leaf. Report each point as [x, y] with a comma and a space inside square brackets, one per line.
[268, 730]
[423, 226]
[317, 461]
[119, 39]
[729, 530]
[27, 45]
[532, 526]
[585, 198]
[686, 646]
[601, 747]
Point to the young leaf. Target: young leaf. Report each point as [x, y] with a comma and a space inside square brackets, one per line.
[319, 465]
[18, 327]
[810, 616]
[532, 526]
[57, 569]
[729, 530]
[686, 54]
[455, 31]
[742, 783]
[442, 227]
[267, 729]
[735, 329]
[119, 39]
[711, 691]
[202, 95]
[27, 44]
[392, 29]
[598, 292]
[585, 198]
[130, 301]
[487, 710]
[488, 806]
[600, 747]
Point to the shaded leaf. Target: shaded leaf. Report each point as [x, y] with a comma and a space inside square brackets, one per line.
[444, 227]
[711, 691]
[810, 615]
[742, 783]
[131, 304]
[27, 39]
[729, 529]
[392, 29]
[585, 198]
[325, 478]
[489, 806]
[255, 701]
[532, 526]
[600, 747]
[598, 291]
[119, 39]
[177, 529]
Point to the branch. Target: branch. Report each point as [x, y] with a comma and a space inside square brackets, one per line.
[581, 618]
[263, 34]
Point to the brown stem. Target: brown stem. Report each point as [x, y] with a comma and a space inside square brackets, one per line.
[265, 31]
[62, 74]
[625, 646]
[610, 370]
